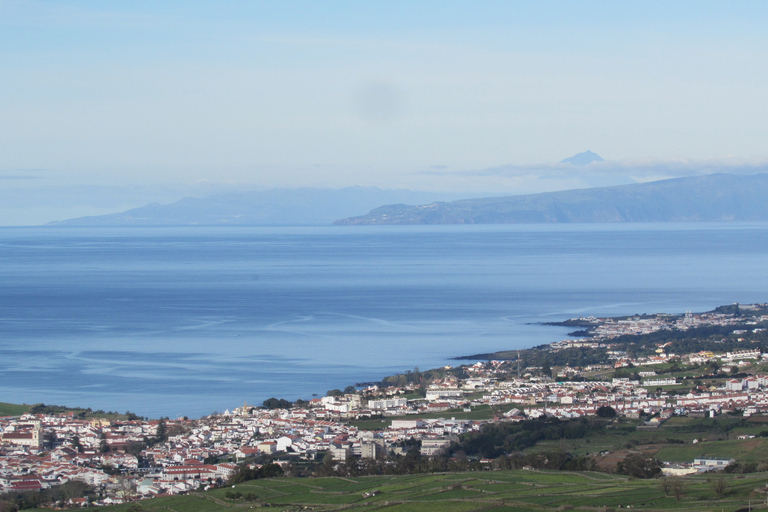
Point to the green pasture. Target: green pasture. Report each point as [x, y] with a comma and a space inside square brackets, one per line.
[751, 450]
[12, 409]
[491, 491]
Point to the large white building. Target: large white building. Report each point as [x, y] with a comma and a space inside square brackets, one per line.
[387, 403]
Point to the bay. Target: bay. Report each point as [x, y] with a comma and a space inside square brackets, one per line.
[187, 321]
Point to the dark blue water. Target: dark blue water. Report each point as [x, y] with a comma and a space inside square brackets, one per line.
[188, 321]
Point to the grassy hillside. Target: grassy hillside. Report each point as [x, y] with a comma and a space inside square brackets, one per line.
[672, 442]
[12, 409]
[496, 491]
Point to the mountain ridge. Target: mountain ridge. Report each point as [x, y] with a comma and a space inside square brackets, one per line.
[714, 197]
[275, 207]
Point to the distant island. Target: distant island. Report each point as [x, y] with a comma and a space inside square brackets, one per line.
[275, 207]
[711, 198]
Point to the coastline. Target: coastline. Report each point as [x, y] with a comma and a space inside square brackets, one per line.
[657, 322]
[262, 313]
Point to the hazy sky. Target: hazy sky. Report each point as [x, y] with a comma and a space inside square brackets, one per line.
[106, 105]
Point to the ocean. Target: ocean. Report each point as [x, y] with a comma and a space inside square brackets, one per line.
[189, 321]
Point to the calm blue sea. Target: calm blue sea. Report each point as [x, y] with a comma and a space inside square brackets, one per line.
[188, 321]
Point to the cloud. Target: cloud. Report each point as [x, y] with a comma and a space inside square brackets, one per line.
[515, 179]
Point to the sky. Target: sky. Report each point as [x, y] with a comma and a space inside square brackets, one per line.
[107, 105]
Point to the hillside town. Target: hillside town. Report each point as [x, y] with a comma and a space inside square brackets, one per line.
[127, 460]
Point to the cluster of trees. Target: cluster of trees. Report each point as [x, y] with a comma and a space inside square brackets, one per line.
[746, 467]
[410, 463]
[576, 356]
[244, 474]
[276, 403]
[541, 356]
[415, 377]
[496, 439]
[282, 403]
[454, 460]
[639, 465]
[80, 412]
[606, 411]
[234, 496]
[422, 378]
[560, 461]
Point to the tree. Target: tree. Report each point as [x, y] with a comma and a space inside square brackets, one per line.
[327, 468]
[719, 486]
[408, 463]
[162, 431]
[334, 392]
[350, 390]
[678, 489]
[606, 411]
[352, 466]
[244, 474]
[125, 487]
[74, 489]
[546, 370]
[666, 486]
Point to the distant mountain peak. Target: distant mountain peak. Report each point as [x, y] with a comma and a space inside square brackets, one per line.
[584, 158]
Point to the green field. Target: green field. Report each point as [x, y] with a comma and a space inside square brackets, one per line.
[673, 441]
[497, 491]
[12, 409]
